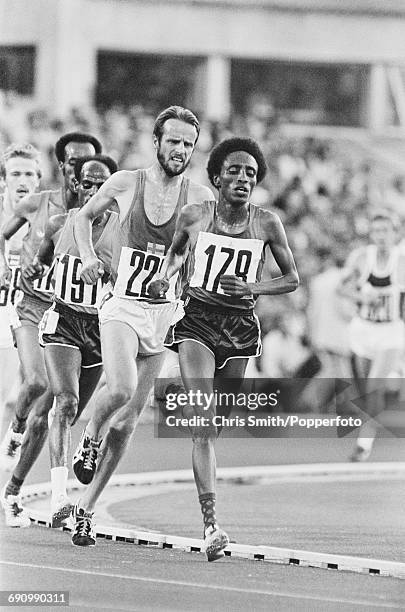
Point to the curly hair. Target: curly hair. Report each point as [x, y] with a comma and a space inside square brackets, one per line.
[230, 145]
[24, 150]
[104, 159]
[75, 137]
[175, 112]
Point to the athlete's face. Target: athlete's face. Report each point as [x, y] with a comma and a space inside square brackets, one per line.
[92, 176]
[382, 233]
[237, 178]
[22, 177]
[73, 151]
[176, 146]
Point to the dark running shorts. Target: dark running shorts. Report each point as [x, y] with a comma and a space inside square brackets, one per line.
[227, 334]
[68, 327]
[29, 312]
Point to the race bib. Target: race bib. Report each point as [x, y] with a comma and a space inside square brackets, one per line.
[216, 255]
[45, 284]
[70, 288]
[136, 270]
[12, 294]
[49, 322]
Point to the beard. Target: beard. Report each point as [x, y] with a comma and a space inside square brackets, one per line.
[169, 171]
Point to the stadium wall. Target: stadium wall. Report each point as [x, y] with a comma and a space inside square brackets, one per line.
[68, 34]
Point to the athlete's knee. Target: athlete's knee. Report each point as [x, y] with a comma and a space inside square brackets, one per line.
[35, 385]
[204, 435]
[121, 395]
[66, 406]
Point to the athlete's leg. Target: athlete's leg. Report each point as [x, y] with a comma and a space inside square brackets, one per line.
[35, 381]
[121, 428]
[34, 384]
[63, 365]
[35, 436]
[89, 379]
[197, 365]
[9, 378]
[119, 346]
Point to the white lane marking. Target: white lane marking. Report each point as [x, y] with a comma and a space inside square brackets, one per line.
[205, 586]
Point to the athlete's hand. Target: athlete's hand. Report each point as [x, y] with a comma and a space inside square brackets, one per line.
[92, 270]
[233, 285]
[34, 270]
[158, 288]
[5, 274]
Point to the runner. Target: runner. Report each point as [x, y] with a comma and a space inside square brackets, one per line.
[35, 395]
[226, 241]
[133, 321]
[69, 330]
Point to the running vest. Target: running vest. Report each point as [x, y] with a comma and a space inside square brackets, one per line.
[49, 203]
[141, 246]
[69, 287]
[384, 285]
[11, 294]
[215, 253]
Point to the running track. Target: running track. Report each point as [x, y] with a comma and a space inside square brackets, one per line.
[117, 576]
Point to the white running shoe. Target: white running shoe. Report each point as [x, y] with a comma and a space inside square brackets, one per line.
[360, 454]
[215, 541]
[60, 510]
[10, 449]
[15, 514]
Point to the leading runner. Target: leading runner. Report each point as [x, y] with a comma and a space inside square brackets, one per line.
[227, 241]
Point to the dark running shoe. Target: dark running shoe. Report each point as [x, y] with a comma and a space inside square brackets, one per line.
[214, 542]
[85, 458]
[83, 529]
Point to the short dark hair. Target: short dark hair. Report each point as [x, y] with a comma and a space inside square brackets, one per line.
[230, 145]
[75, 137]
[104, 159]
[175, 112]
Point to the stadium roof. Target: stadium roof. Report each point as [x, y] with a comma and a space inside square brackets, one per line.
[388, 8]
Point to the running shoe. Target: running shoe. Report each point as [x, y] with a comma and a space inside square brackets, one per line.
[83, 529]
[10, 449]
[215, 540]
[360, 454]
[60, 511]
[85, 458]
[15, 514]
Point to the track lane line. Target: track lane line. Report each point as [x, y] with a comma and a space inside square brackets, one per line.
[205, 586]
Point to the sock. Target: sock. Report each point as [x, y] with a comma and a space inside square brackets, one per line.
[207, 502]
[59, 477]
[13, 486]
[18, 424]
[365, 443]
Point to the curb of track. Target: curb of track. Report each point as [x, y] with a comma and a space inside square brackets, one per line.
[240, 475]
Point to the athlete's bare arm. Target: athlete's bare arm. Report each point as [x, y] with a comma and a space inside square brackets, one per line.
[275, 238]
[44, 256]
[108, 194]
[28, 204]
[8, 230]
[187, 223]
